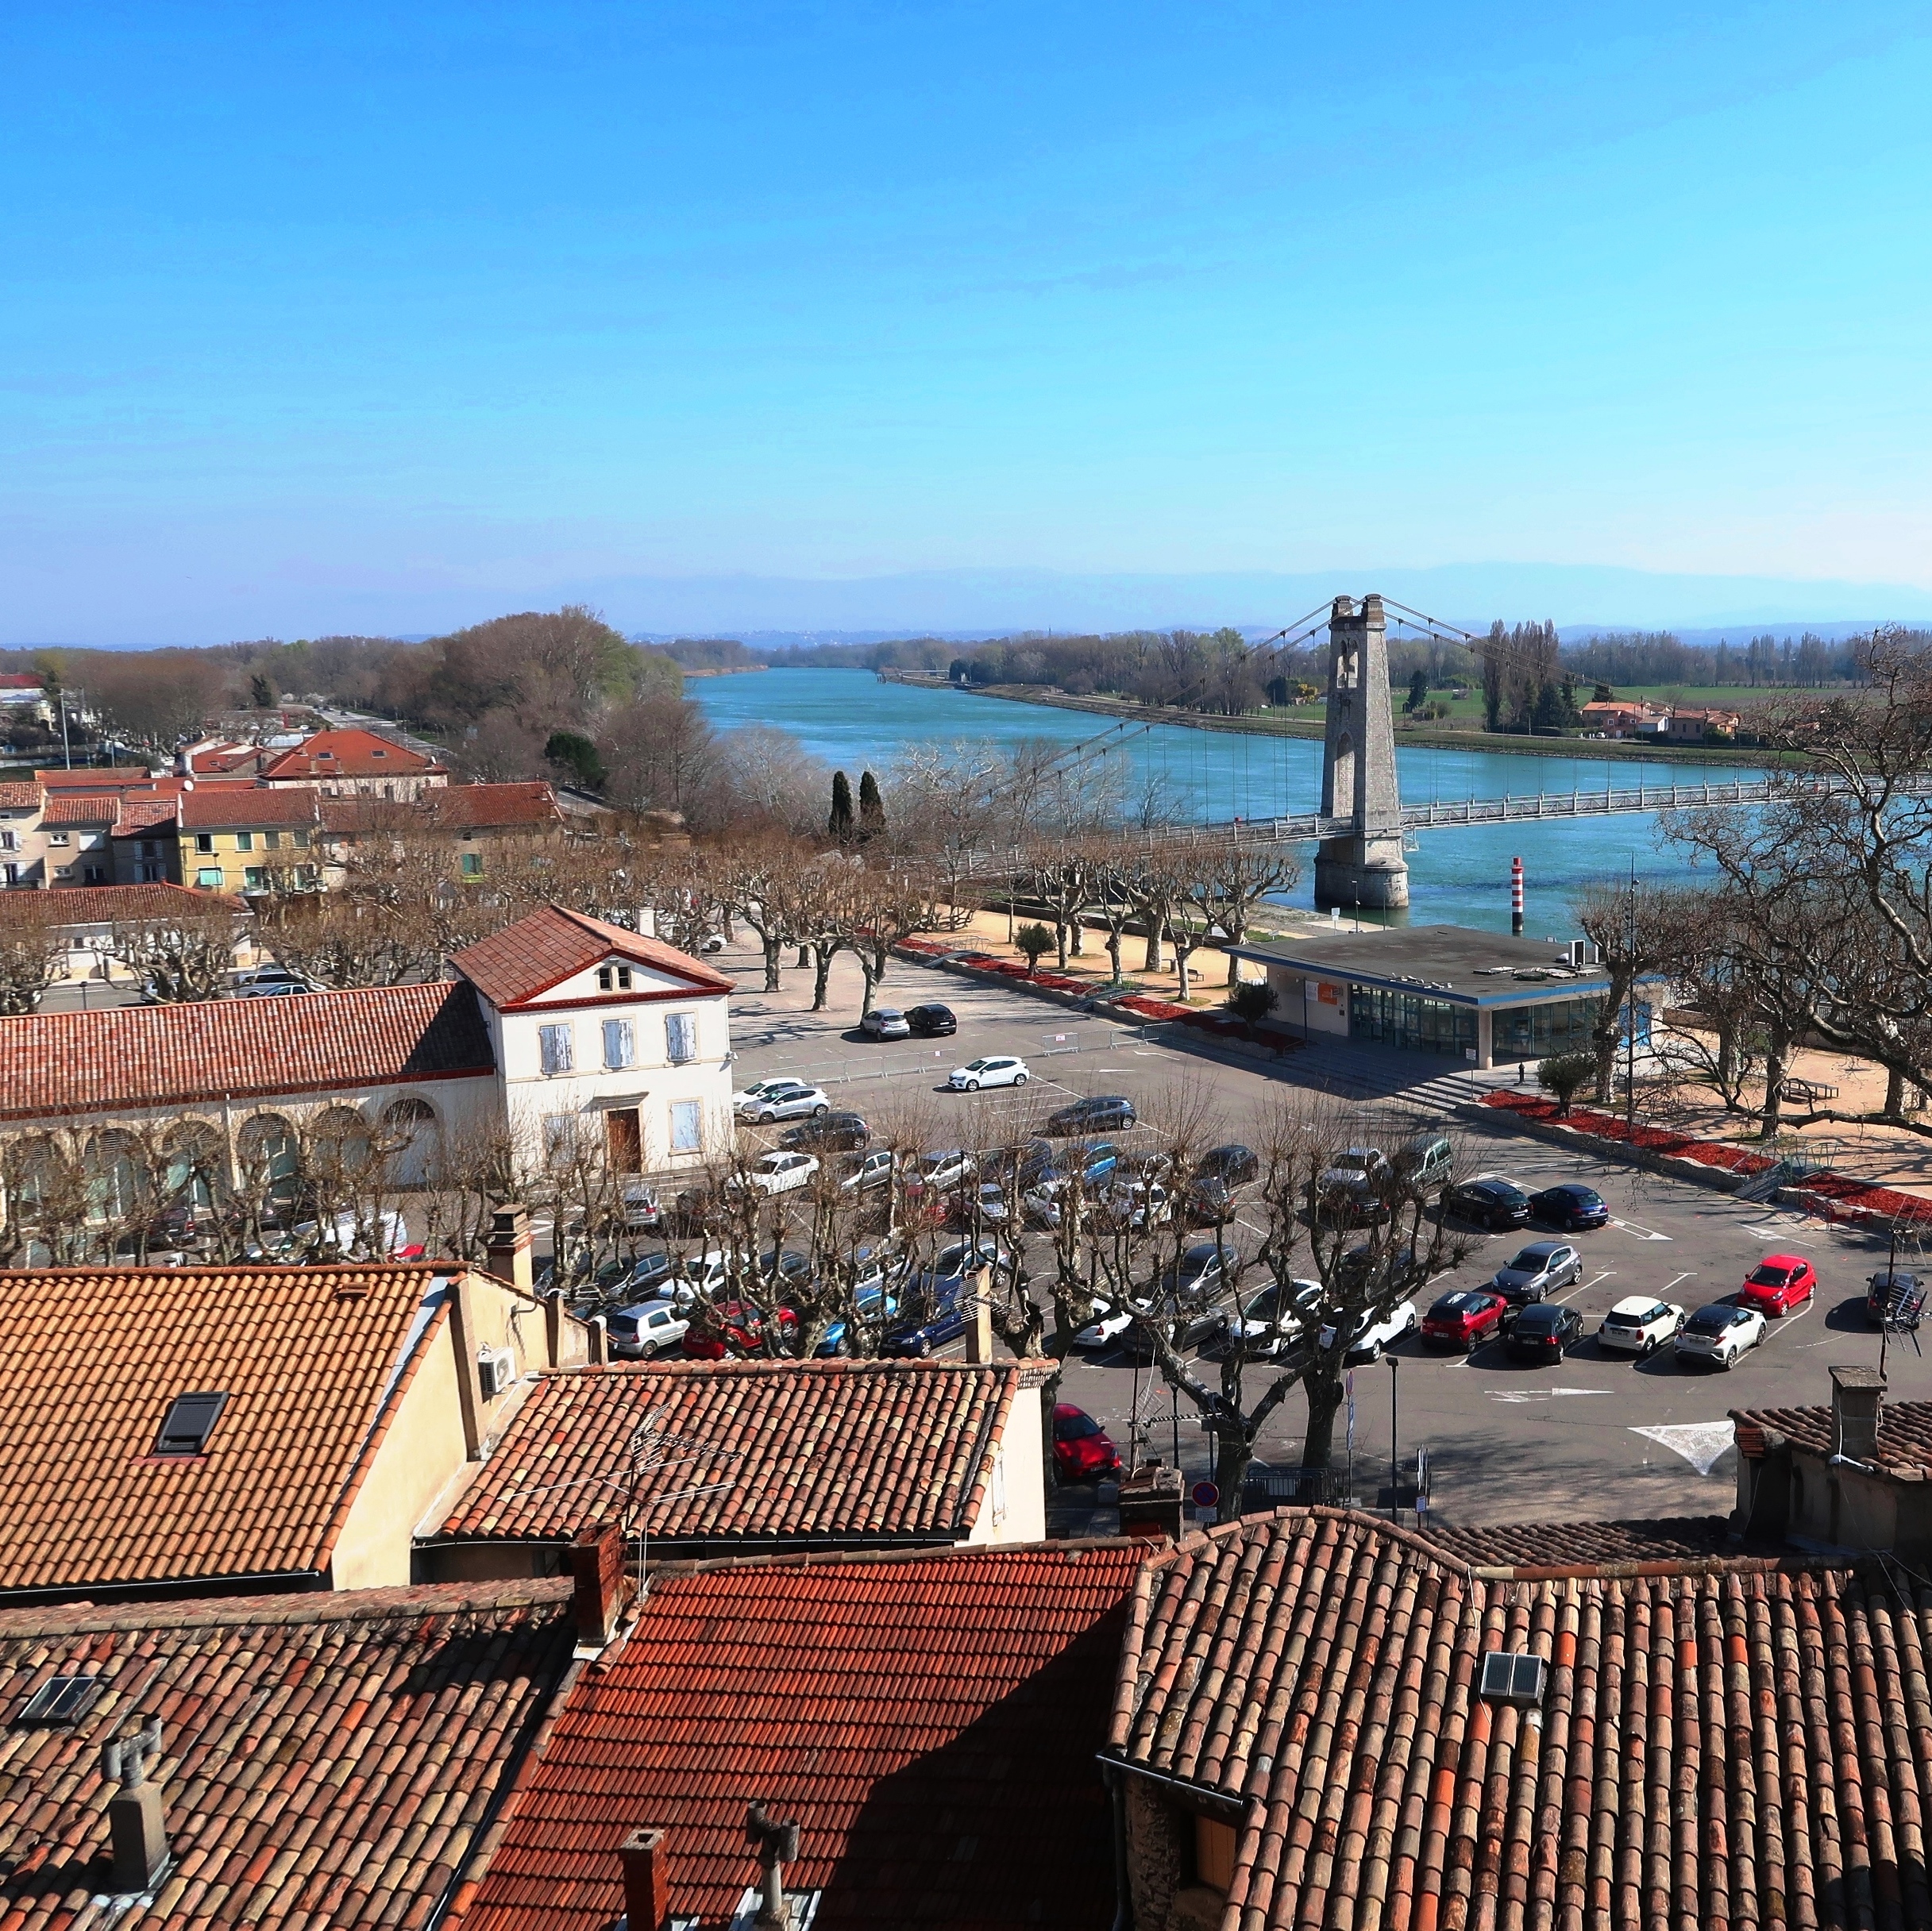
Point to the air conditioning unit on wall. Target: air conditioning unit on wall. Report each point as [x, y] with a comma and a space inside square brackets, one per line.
[495, 1369]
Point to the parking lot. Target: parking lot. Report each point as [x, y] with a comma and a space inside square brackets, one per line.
[1599, 1435]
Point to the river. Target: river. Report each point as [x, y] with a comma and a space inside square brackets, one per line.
[1457, 876]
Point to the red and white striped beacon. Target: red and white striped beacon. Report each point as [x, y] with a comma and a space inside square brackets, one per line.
[1516, 898]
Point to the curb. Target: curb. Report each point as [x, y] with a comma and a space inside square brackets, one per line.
[1717, 1179]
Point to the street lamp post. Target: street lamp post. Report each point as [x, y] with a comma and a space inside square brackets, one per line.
[1395, 1466]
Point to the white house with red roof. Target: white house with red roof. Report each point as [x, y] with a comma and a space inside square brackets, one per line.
[600, 1032]
[355, 763]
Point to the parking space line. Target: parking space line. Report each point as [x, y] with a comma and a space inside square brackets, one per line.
[1642, 1233]
[1578, 1287]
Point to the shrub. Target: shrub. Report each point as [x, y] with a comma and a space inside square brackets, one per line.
[1033, 940]
[1565, 1076]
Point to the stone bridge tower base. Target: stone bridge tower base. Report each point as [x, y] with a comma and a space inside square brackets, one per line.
[1365, 866]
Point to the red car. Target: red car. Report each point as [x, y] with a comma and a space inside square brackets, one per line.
[1778, 1283]
[1082, 1449]
[1465, 1317]
[743, 1327]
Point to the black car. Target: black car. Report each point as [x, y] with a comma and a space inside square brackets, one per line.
[1573, 1207]
[1217, 1174]
[931, 1022]
[835, 1133]
[1895, 1300]
[1105, 1110]
[1494, 1203]
[1542, 1331]
[1200, 1274]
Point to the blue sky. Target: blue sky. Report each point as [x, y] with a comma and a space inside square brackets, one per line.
[392, 318]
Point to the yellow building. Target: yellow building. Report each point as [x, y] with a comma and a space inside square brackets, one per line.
[246, 838]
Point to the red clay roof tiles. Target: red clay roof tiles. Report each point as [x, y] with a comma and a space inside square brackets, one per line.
[1904, 1432]
[1530, 1545]
[328, 1759]
[83, 808]
[89, 1360]
[553, 944]
[1730, 1743]
[101, 905]
[18, 795]
[930, 1723]
[129, 1058]
[350, 753]
[219, 807]
[449, 808]
[810, 1453]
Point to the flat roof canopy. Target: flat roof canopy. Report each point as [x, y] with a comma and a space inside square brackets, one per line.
[1450, 962]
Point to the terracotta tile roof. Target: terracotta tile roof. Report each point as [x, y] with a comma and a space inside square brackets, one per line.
[553, 943]
[1904, 1433]
[1568, 1545]
[348, 754]
[447, 808]
[327, 1760]
[82, 809]
[19, 680]
[102, 777]
[1729, 1742]
[930, 1723]
[91, 1357]
[102, 904]
[139, 816]
[815, 1454]
[16, 795]
[242, 1049]
[219, 806]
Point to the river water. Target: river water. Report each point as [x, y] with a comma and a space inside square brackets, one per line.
[1457, 877]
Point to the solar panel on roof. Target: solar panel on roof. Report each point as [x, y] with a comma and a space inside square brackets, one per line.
[1511, 1678]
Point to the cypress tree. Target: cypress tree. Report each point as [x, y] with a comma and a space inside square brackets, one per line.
[871, 806]
[839, 824]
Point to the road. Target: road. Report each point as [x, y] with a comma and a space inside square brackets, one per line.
[1599, 1435]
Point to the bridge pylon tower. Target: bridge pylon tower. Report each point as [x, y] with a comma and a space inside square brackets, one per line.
[1365, 865]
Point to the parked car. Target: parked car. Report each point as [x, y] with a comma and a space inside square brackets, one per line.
[1083, 1450]
[1640, 1324]
[1543, 1332]
[1274, 1314]
[965, 1258]
[1136, 1204]
[1105, 1329]
[749, 1099]
[1353, 1186]
[1718, 1334]
[642, 1211]
[1105, 1110]
[265, 982]
[1200, 1274]
[1464, 1317]
[650, 1276]
[347, 1237]
[1425, 1161]
[987, 1204]
[1218, 1174]
[1374, 1336]
[1572, 1207]
[1488, 1200]
[1894, 1299]
[931, 1022]
[1778, 1283]
[874, 1170]
[947, 1167]
[835, 1133]
[931, 1312]
[739, 1329]
[647, 1330]
[997, 1069]
[1537, 1270]
[792, 1100]
[885, 1023]
[875, 1295]
[777, 1173]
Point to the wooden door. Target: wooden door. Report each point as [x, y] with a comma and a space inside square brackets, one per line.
[624, 1141]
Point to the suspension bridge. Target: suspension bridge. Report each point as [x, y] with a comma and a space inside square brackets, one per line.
[1361, 827]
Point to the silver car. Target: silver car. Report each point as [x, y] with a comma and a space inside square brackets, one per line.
[787, 1103]
[885, 1023]
[1539, 1269]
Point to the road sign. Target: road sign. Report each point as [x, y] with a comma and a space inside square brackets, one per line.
[1205, 1494]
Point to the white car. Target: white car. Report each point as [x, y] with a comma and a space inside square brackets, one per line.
[1103, 1331]
[345, 1238]
[1372, 1336]
[778, 1173]
[1641, 1325]
[788, 1100]
[1262, 1321]
[1000, 1070]
[874, 1170]
[652, 1328]
[1720, 1333]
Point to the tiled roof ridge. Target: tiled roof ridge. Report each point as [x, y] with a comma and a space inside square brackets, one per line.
[319, 1606]
[309, 1270]
[1074, 1547]
[717, 1370]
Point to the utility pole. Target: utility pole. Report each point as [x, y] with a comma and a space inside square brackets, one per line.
[1395, 1466]
[1629, 1030]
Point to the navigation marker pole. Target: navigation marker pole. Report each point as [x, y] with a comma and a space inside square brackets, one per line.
[1516, 898]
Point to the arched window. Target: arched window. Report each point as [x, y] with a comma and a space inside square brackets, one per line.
[197, 1165]
[115, 1189]
[410, 1125]
[269, 1155]
[341, 1138]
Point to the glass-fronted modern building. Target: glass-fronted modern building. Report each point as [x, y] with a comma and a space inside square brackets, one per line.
[1480, 997]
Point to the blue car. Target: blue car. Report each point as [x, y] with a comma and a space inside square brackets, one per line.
[937, 1310]
[875, 1294]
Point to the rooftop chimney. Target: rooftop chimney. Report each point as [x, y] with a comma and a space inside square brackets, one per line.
[776, 1845]
[136, 1831]
[508, 1252]
[597, 1567]
[1857, 1396]
[1150, 1503]
[647, 1879]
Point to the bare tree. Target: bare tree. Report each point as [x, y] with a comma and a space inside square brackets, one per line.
[180, 956]
[33, 950]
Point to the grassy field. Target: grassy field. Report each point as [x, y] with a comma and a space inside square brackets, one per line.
[1469, 710]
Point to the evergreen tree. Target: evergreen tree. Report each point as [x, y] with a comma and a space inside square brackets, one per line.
[1418, 689]
[871, 806]
[839, 824]
[261, 692]
[1604, 695]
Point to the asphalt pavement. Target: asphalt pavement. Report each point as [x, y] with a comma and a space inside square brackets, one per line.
[1597, 1435]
